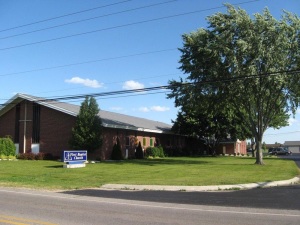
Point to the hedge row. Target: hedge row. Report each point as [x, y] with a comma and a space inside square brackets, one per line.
[33, 156]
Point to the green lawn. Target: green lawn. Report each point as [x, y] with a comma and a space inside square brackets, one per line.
[167, 171]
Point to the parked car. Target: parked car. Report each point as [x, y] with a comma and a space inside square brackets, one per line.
[279, 151]
[270, 150]
[289, 152]
[249, 150]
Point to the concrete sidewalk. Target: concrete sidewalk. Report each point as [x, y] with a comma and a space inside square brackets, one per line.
[292, 181]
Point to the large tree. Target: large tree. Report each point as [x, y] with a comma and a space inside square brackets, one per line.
[207, 117]
[87, 132]
[252, 62]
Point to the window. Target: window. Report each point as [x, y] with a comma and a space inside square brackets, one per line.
[144, 141]
[127, 140]
[151, 142]
[36, 110]
[17, 124]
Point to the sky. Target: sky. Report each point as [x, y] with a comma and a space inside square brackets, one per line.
[61, 47]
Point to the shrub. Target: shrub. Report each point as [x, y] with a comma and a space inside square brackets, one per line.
[27, 156]
[33, 156]
[155, 152]
[40, 156]
[7, 147]
[1, 148]
[139, 151]
[117, 152]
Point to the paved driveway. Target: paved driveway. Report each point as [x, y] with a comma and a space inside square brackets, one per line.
[294, 156]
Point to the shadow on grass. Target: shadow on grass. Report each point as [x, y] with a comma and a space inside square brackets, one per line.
[55, 167]
[163, 161]
[273, 198]
[294, 157]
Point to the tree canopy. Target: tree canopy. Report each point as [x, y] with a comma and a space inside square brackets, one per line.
[87, 132]
[246, 67]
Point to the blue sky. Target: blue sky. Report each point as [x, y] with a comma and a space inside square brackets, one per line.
[111, 45]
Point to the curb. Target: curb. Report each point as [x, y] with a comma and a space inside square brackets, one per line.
[292, 181]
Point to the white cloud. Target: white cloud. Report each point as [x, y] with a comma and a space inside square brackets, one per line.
[154, 109]
[144, 109]
[160, 108]
[86, 82]
[131, 84]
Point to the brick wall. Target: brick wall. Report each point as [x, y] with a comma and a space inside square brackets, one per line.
[7, 124]
[55, 131]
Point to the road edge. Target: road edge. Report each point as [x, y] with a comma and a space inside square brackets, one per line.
[289, 182]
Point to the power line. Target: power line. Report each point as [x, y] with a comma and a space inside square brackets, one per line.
[66, 15]
[119, 26]
[116, 82]
[87, 62]
[168, 87]
[123, 96]
[163, 87]
[84, 20]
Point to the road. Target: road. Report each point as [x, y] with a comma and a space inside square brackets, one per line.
[278, 205]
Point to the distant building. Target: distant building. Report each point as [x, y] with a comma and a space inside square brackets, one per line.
[234, 147]
[293, 146]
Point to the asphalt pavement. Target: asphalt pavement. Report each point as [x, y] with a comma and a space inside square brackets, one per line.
[268, 206]
[284, 197]
[279, 195]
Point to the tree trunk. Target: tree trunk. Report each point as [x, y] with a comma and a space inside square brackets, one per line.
[253, 147]
[259, 155]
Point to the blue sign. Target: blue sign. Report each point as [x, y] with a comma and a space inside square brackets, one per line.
[74, 156]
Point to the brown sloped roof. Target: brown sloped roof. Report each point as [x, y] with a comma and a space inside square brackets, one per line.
[109, 119]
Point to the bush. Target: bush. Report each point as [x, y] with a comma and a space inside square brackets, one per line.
[7, 147]
[117, 152]
[155, 152]
[33, 156]
[27, 156]
[139, 152]
[40, 156]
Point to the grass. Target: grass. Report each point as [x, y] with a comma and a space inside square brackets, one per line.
[167, 171]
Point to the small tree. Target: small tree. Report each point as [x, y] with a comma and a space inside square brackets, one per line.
[87, 132]
[2, 148]
[117, 151]
[139, 151]
[7, 147]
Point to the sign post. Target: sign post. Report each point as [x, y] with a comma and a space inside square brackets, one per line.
[74, 158]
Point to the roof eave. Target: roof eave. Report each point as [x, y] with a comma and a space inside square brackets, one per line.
[135, 129]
